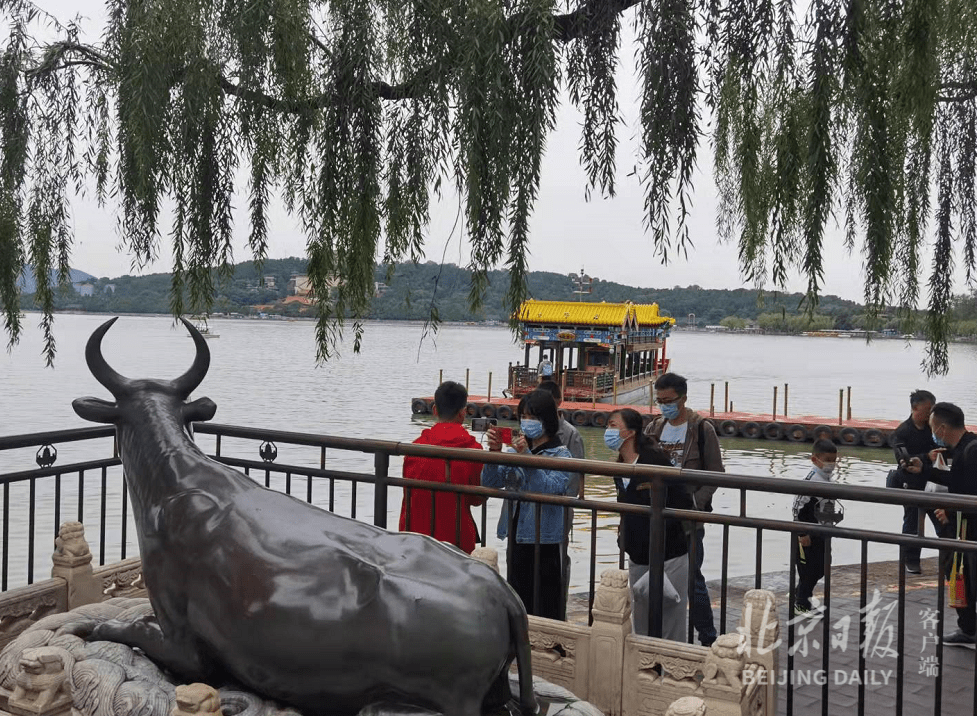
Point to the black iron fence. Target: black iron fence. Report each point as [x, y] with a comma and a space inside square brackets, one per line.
[91, 489]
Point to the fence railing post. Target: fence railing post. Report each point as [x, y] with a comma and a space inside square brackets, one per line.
[608, 634]
[381, 463]
[656, 561]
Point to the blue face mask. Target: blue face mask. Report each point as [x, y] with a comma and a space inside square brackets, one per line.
[613, 439]
[940, 442]
[531, 428]
[669, 410]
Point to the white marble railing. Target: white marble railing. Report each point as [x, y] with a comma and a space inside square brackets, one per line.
[624, 674]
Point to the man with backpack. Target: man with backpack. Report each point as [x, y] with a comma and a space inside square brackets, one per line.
[691, 443]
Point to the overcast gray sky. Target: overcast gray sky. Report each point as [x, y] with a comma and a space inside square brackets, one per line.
[603, 236]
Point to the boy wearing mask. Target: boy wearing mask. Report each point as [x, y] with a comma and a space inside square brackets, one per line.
[815, 510]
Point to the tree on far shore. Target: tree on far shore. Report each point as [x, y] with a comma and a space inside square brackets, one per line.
[357, 112]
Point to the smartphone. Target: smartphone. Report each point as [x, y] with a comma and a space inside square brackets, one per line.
[505, 435]
[902, 454]
[480, 425]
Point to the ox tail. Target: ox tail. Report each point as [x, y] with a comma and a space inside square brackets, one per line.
[519, 633]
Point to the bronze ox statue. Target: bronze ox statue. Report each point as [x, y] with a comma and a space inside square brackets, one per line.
[315, 610]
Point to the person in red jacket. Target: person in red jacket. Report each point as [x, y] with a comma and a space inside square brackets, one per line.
[450, 401]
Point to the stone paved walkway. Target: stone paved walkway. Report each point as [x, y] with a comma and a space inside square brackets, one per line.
[919, 690]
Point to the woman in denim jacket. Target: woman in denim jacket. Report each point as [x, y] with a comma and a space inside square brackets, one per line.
[539, 422]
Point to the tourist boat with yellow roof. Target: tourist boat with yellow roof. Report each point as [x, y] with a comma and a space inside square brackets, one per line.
[602, 352]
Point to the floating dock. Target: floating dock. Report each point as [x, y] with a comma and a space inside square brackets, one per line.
[794, 428]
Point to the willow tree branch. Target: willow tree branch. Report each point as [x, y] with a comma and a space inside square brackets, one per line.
[61, 55]
[566, 27]
[576, 24]
[961, 91]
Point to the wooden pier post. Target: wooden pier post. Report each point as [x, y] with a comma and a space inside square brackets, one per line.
[488, 396]
[467, 371]
[849, 402]
[614, 390]
[774, 403]
[712, 400]
[841, 406]
[563, 383]
[785, 400]
[726, 406]
[440, 377]
[593, 390]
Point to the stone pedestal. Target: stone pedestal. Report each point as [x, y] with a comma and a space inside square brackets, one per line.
[73, 563]
[612, 625]
[760, 628]
[196, 700]
[687, 706]
[489, 555]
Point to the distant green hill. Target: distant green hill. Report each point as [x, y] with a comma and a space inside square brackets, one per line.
[414, 289]
[27, 283]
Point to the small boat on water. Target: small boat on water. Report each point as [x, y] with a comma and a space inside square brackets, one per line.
[200, 323]
[602, 352]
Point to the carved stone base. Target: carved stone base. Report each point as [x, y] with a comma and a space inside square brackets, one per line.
[73, 563]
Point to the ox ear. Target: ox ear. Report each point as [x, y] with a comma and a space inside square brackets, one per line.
[96, 410]
[199, 410]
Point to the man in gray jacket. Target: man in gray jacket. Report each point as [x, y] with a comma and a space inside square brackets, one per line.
[691, 443]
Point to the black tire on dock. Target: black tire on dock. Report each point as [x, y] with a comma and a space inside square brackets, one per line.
[822, 432]
[728, 428]
[850, 436]
[503, 412]
[797, 433]
[418, 406]
[873, 438]
[750, 429]
[773, 431]
[487, 410]
[892, 439]
[598, 419]
[472, 410]
[580, 418]
[430, 407]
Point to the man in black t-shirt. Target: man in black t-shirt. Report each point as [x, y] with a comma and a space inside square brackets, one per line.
[960, 447]
[913, 437]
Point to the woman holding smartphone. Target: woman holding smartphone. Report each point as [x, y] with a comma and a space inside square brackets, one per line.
[539, 424]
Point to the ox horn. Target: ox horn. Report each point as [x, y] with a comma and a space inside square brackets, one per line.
[187, 382]
[103, 373]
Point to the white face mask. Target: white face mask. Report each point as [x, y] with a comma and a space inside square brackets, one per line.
[826, 469]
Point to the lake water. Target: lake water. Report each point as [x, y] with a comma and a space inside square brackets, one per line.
[263, 374]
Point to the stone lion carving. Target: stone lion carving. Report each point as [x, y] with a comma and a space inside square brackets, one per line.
[42, 676]
[612, 595]
[760, 618]
[724, 659]
[71, 541]
[687, 706]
